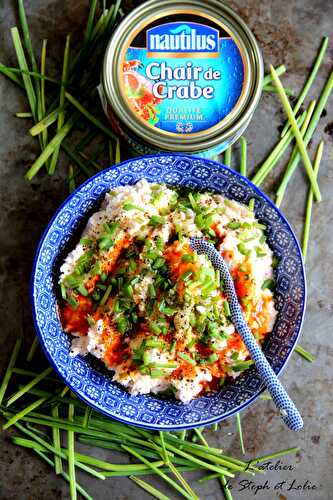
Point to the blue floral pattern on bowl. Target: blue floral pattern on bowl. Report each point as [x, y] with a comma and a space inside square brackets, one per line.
[91, 382]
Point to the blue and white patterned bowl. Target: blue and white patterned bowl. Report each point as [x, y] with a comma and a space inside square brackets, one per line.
[91, 382]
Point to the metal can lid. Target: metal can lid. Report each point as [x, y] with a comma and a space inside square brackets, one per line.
[183, 75]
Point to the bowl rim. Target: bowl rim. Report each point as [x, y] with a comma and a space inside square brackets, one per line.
[128, 421]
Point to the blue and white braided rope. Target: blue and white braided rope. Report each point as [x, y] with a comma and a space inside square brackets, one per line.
[288, 410]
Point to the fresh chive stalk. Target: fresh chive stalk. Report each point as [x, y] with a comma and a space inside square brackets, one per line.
[31, 96]
[89, 116]
[61, 115]
[276, 153]
[32, 349]
[309, 202]
[29, 386]
[50, 148]
[292, 165]
[149, 488]
[56, 443]
[71, 456]
[243, 156]
[309, 80]
[228, 156]
[268, 78]
[17, 416]
[297, 134]
[240, 432]
[9, 371]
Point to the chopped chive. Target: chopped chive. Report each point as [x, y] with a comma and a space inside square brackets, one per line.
[23, 115]
[211, 359]
[173, 346]
[155, 373]
[187, 358]
[243, 156]
[305, 354]
[226, 308]
[268, 283]
[170, 366]
[151, 291]
[297, 134]
[251, 204]
[309, 202]
[186, 275]
[242, 249]
[106, 295]
[234, 225]
[156, 220]
[193, 202]
[10, 367]
[131, 206]
[187, 258]
[159, 262]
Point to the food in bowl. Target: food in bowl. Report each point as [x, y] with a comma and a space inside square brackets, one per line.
[137, 297]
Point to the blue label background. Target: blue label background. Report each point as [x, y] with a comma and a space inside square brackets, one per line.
[227, 90]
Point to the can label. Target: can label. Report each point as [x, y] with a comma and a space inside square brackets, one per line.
[183, 75]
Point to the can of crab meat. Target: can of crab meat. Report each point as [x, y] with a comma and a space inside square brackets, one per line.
[183, 76]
